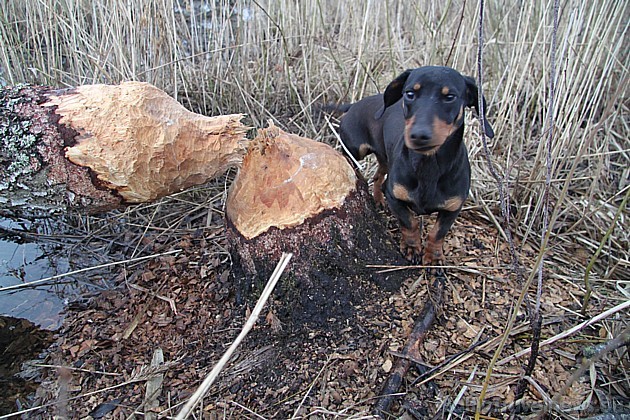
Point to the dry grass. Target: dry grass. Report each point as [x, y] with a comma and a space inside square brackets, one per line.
[276, 59]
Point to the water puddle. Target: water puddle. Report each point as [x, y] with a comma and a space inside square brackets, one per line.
[32, 304]
[49, 264]
[23, 262]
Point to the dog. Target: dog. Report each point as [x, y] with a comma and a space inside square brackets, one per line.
[415, 129]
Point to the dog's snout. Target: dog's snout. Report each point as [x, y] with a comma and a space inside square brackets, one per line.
[420, 134]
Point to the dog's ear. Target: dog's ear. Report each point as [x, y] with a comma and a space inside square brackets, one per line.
[473, 100]
[393, 92]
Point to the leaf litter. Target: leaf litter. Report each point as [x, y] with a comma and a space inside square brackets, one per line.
[185, 307]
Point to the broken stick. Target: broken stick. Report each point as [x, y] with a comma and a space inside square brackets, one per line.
[411, 352]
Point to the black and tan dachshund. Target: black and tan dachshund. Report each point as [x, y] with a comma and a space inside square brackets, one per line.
[416, 130]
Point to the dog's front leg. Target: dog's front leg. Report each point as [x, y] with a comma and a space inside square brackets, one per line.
[379, 178]
[410, 241]
[433, 251]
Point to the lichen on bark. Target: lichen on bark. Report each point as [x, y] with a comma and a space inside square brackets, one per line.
[18, 152]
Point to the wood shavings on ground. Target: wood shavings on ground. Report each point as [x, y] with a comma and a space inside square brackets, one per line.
[185, 305]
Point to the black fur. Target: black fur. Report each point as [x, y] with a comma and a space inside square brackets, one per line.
[415, 129]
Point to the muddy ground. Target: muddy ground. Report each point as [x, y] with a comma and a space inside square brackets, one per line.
[185, 304]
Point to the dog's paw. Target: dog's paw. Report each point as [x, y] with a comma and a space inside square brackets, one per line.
[379, 199]
[411, 251]
[433, 254]
[411, 242]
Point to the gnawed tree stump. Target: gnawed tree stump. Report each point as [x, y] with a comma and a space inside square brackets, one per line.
[97, 147]
[296, 195]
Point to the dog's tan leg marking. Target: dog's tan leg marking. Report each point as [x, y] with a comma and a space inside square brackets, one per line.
[379, 178]
[364, 150]
[433, 251]
[401, 192]
[453, 204]
[410, 241]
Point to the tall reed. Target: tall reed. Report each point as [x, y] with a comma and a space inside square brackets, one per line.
[275, 59]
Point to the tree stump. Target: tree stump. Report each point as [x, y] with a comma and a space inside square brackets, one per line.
[297, 195]
[96, 147]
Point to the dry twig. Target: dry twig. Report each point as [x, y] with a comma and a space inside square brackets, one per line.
[619, 308]
[620, 340]
[536, 316]
[503, 201]
[83, 270]
[411, 352]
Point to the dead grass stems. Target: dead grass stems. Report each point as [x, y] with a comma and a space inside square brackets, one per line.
[276, 59]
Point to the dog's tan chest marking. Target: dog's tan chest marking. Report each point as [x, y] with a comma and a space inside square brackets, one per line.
[453, 204]
[401, 192]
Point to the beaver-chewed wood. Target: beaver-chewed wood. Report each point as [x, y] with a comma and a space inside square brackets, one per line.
[96, 147]
[297, 195]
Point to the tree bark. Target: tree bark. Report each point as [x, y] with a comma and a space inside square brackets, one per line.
[296, 195]
[98, 147]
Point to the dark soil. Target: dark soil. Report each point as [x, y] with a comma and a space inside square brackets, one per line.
[186, 305]
[20, 342]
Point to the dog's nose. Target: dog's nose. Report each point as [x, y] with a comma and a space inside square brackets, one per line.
[420, 134]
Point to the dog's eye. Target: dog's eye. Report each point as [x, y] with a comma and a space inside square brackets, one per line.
[410, 95]
[449, 98]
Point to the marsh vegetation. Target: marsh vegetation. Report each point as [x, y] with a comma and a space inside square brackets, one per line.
[279, 60]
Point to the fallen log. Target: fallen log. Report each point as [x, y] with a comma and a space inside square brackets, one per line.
[98, 147]
[297, 195]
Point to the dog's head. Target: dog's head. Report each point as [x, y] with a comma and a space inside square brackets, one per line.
[433, 102]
